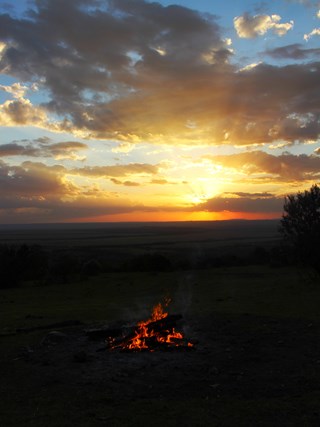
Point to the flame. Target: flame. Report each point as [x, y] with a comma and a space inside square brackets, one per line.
[149, 333]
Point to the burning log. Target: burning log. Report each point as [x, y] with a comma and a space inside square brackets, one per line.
[168, 322]
[157, 333]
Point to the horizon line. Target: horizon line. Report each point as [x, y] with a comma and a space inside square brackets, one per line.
[103, 223]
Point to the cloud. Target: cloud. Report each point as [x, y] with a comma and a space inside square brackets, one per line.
[248, 26]
[286, 167]
[33, 181]
[244, 204]
[116, 170]
[64, 150]
[251, 195]
[137, 71]
[22, 113]
[113, 171]
[125, 183]
[43, 140]
[309, 3]
[237, 113]
[314, 32]
[34, 192]
[16, 90]
[250, 66]
[59, 150]
[55, 175]
[86, 75]
[160, 181]
[292, 51]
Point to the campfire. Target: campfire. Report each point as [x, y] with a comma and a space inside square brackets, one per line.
[159, 332]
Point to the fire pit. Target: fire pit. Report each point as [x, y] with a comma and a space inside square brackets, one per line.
[159, 332]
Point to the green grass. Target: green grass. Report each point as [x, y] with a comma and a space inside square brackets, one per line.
[284, 292]
[255, 290]
[278, 293]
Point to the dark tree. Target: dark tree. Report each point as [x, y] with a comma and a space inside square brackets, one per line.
[21, 263]
[300, 225]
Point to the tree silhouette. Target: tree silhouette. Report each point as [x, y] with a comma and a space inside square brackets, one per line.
[21, 263]
[300, 225]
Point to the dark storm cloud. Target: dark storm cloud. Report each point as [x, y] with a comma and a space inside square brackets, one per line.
[134, 70]
[292, 51]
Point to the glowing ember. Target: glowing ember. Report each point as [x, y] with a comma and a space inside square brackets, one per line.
[158, 332]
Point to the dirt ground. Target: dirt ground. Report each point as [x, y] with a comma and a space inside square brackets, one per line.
[245, 370]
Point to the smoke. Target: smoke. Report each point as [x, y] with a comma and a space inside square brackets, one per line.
[184, 294]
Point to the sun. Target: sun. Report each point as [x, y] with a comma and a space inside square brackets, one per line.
[201, 190]
[198, 199]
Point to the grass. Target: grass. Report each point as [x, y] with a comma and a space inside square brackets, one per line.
[276, 293]
[283, 292]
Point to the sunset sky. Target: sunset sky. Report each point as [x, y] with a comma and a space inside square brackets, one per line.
[132, 110]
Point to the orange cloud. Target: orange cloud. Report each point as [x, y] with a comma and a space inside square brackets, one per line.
[286, 167]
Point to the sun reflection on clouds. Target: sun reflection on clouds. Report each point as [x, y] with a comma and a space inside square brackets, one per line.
[160, 112]
[200, 190]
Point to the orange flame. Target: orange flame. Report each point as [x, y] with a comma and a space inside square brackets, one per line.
[149, 334]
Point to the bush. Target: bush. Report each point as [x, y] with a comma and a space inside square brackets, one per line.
[300, 225]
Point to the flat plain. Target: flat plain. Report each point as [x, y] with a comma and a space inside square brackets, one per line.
[255, 323]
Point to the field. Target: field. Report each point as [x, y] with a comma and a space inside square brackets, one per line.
[255, 324]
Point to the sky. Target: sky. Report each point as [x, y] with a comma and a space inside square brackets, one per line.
[132, 110]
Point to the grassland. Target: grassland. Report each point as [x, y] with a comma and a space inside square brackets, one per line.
[257, 358]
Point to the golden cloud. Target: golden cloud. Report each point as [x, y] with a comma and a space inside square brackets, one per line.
[21, 112]
[286, 167]
[248, 26]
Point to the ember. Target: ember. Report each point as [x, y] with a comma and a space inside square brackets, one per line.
[157, 333]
